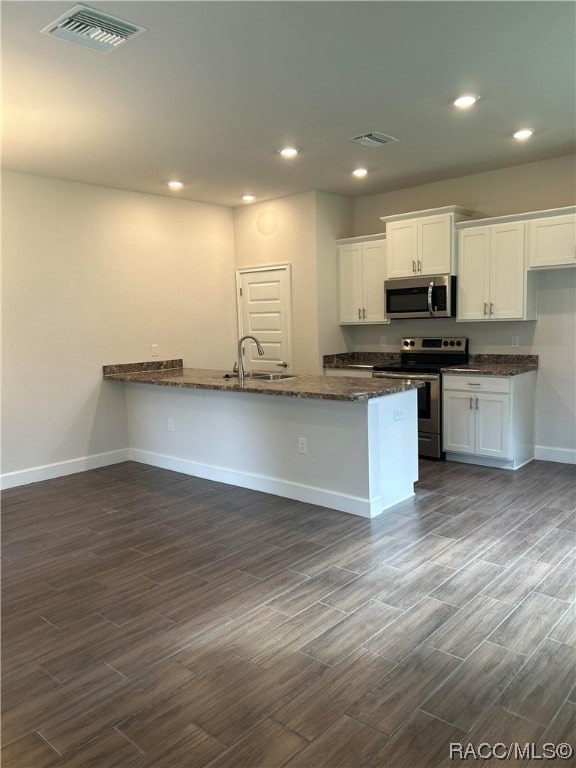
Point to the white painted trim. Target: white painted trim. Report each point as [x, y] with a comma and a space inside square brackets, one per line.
[361, 239]
[61, 468]
[354, 505]
[486, 461]
[512, 217]
[456, 210]
[562, 455]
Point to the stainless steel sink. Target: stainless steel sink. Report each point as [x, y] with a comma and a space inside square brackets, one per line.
[261, 376]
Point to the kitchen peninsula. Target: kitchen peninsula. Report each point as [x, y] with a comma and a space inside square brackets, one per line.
[348, 444]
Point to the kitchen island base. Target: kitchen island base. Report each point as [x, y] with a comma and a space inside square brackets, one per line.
[361, 457]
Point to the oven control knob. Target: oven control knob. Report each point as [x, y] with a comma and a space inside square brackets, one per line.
[451, 343]
[458, 343]
[412, 343]
[444, 343]
[406, 343]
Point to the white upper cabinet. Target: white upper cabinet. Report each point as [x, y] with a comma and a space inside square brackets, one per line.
[552, 242]
[493, 283]
[423, 243]
[361, 285]
[350, 299]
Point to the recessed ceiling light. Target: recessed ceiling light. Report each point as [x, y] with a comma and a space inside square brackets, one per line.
[175, 184]
[248, 198]
[289, 152]
[463, 102]
[523, 134]
[359, 173]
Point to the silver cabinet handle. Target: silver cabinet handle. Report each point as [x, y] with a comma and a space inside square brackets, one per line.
[485, 308]
[470, 405]
[419, 266]
[414, 267]
[491, 308]
[474, 384]
[364, 314]
[282, 365]
[477, 404]
[359, 314]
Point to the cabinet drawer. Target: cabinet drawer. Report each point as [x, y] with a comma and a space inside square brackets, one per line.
[476, 383]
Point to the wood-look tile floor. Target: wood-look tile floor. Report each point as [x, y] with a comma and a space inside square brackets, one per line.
[154, 620]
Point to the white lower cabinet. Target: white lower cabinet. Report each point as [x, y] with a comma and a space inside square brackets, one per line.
[489, 419]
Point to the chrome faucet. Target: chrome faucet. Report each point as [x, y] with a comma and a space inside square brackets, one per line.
[240, 361]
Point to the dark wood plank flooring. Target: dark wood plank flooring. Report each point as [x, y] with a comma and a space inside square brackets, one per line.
[152, 619]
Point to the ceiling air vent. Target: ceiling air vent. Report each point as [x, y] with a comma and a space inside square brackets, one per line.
[93, 29]
[373, 139]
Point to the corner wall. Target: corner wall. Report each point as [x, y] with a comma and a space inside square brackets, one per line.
[282, 231]
[91, 276]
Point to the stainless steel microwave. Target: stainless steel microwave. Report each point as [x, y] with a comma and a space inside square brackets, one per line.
[431, 296]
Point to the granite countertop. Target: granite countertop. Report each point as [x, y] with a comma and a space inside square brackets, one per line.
[480, 365]
[171, 373]
[360, 360]
[495, 365]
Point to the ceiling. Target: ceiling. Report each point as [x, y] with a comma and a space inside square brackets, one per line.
[212, 90]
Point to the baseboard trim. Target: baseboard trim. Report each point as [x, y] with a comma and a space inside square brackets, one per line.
[354, 505]
[61, 468]
[561, 455]
[486, 461]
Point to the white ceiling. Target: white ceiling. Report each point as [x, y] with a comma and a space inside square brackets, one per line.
[212, 90]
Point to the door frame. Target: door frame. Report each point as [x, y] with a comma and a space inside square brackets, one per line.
[287, 269]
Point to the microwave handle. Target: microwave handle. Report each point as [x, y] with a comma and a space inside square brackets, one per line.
[430, 289]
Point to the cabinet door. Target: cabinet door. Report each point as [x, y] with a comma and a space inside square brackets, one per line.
[350, 284]
[552, 242]
[373, 276]
[492, 428]
[507, 272]
[435, 245]
[473, 273]
[458, 421]
[402, 244]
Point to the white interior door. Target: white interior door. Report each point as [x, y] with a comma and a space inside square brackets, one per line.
[264, 302]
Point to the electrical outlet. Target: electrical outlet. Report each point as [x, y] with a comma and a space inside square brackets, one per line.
[302, 445]
[383, 341]
[515, 341]
[154, 350]
[170, 425]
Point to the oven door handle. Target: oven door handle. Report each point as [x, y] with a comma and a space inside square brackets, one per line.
[430, 289]
[416, 376]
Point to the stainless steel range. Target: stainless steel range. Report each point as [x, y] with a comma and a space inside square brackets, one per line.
[422, 359]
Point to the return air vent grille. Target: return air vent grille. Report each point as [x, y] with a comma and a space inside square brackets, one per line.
[373, 139]
[92, 29]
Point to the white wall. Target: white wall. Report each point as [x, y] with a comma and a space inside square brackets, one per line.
[333, 220]
[531, 187]
[300, 230]
[92, 276]
[536, 186]
[283, 231]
